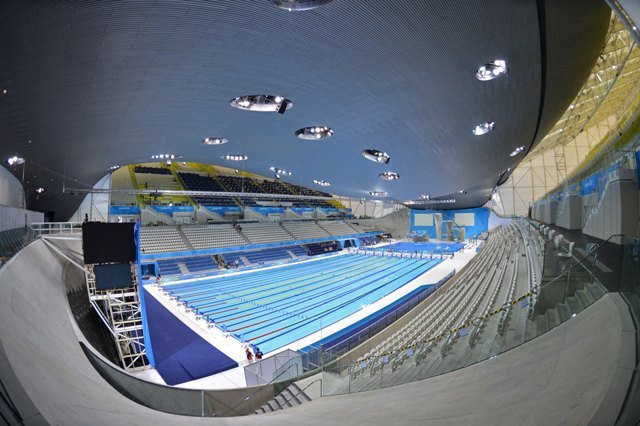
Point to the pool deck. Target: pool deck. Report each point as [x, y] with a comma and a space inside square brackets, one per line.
[236, 350]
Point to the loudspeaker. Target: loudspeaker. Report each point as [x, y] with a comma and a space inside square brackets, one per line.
[283, 107]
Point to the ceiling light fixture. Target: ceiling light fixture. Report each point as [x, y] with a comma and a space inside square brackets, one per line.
[40, 190]
[484, 128]
[280, 172]
[163, 157]
[298, 5]
[572, 106]
[262, 103]
[442, 201]
[112, 168]
[492, 70]
[378, 193]
[214, 141]
[321, 182]
[425, 197]
[15, 160]
[388, 176]
[235, 157]
[517, 151]
[376, 156]
[314, 133]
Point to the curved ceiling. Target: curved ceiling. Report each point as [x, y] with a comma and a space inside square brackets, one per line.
[98, 83]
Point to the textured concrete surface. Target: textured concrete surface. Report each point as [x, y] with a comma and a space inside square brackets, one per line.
[564, 377]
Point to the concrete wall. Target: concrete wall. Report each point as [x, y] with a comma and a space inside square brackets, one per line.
[617, 211]
[397, 223]
[11, 217]
[11, 194]
[570, 212]
[550, 212]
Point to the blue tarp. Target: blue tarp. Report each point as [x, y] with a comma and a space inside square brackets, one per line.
[180, 354]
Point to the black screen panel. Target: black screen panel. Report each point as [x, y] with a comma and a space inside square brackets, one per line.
[116, 275]
[108, 242]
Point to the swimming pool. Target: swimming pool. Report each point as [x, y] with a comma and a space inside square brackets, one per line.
[275, 307]
[425, 247]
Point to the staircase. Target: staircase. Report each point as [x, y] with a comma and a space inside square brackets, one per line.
[184, 238]
[290, 397]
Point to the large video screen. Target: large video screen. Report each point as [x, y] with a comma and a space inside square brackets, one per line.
[116, 275]
[108, 242]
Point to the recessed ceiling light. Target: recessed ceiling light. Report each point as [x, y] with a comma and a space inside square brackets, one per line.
[442, 201]
[517, 151]
[262, 103]
[389, 176]
[492, 70]
[314, 133]
[280, 172]
[40, 190]
[4, 91]
[484, 128]
[321, 182]
[298, 5]
[214, 141]
[15, 160]
[163, 157]
[378, 193]
[234, 157]
[376, 156]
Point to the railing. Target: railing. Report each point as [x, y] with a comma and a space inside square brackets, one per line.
[554, 301]
[14, 240]
[48, 228]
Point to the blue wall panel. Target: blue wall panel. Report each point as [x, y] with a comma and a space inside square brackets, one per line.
[481, 221]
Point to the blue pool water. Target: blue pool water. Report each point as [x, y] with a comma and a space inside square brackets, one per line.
[275, 307]
[422, 247]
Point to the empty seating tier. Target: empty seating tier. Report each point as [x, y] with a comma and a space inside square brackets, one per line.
[305, 230]
[264, 232]
[161, 239]
[213, 236]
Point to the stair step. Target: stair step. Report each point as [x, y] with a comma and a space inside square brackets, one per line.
[585, 298]
[543, 324]
[564, 311]
[574, 304]
[553, 318]
[595, 290]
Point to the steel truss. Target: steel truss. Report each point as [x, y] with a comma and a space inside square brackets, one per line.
[119, 310]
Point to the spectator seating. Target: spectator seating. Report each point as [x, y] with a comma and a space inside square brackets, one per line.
[161, 239]
[213, 236]
[169, 267]
[337, 227]
[152, 170]
[303, 230]
[424, 346]
[322, 248]
[264, 232]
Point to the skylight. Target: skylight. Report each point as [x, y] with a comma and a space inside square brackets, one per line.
[279, 171]
[15, 160]
[376, 156]
[389, 176]
[484, 128]
[262, 103]
[234, 157]
[314, 133]
[214, 141]
[517, 151]
[298, 5]
[492, 70]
